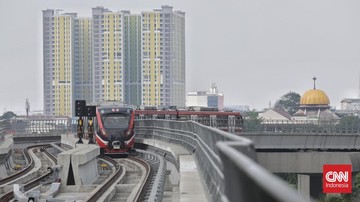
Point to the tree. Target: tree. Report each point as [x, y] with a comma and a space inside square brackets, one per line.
[289, 102]
[252, 122]
[290, 178]
[8, 115]
[350, 121]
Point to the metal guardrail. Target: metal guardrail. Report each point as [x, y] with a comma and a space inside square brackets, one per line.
[229, 169]
[310, 141]
[37, 125]
[245, 180]
[300, 127]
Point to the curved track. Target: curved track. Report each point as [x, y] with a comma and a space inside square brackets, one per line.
[134, 181]
[145, 182]
[10, 195]
[118, 178]
[135, 185]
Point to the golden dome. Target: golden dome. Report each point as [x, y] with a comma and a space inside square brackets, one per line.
[314, 97]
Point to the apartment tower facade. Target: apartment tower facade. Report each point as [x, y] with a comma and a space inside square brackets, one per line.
[163, 57]
[58, 61]
[82, 71]
[108, 55]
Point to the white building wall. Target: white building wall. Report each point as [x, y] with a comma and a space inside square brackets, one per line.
[350, 104]
[202, 101]
[195, 100]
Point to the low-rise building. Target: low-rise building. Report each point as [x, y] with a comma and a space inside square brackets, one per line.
[350, 104]
[272, 115]
[211, 98]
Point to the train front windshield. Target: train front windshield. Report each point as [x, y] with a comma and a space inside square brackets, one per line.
[116, 121]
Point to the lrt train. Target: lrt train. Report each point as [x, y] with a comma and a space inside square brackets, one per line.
[114, 129]
[114, 125]
[224, 120]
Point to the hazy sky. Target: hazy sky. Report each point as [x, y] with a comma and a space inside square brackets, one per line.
[255, 51]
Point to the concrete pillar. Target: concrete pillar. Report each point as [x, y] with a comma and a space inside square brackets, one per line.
[315, 185]
[310, 185]
[304, 186]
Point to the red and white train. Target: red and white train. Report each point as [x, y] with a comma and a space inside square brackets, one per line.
[114, 125]
[114, 129]
[223, 120]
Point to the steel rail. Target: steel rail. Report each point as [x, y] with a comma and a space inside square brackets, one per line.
[140, 194]
[105, 186]
[111, 180]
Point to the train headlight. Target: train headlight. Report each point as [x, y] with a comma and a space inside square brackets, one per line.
[128, 132]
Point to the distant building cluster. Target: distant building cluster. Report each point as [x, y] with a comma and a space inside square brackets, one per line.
[349, 106]
[211, 98]
[237, 108]
[135, 58]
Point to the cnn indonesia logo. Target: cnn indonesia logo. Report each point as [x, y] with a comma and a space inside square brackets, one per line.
[337, 178]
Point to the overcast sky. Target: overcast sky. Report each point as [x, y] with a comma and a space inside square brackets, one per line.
[255, 51]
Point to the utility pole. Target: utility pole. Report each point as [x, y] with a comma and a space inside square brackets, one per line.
[27, 106]
[359, 87]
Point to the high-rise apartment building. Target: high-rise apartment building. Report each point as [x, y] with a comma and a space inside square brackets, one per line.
[135, 58]
[48, 23]
[163, 57]
[82, 71]
[108, 49]
[58, 61]
[67, 49]
[132, 51]
[173, 56]
[151, 58]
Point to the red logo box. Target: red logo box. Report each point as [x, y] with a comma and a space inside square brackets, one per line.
[337, 178]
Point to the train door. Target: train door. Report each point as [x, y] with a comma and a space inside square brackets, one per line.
[213, 121]
[231, 123]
